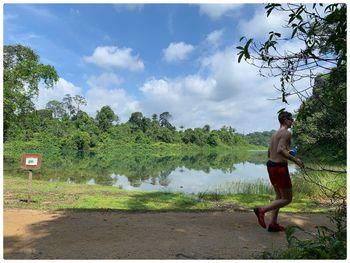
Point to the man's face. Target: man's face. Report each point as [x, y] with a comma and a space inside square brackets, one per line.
[289, 121]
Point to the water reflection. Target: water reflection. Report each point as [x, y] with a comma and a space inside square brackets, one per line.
[191, 173]
[195, 181]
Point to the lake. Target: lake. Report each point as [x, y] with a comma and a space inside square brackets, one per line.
[196, 173]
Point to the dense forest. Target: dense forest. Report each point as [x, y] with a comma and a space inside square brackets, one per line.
[260, 138]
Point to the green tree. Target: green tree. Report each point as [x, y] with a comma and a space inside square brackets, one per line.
[78, 141]
[260, 138]
[105, 118]
[69, 105]
[57, 109]
[22, 74]
[140, 123]
[164, 120]
[213, 139]
[320, 129]
[206, 128]
[154, 118]
[136, 119]
[195, 136]
[79, 101]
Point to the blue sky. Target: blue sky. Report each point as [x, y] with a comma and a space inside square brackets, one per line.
[153, 58]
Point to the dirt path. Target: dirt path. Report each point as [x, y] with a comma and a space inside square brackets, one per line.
[35, 234]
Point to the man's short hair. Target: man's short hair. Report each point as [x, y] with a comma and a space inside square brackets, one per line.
[284, 115]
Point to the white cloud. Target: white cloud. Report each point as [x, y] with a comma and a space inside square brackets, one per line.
[177, 52]
[61, 88]
[231, 77]
[216, 11]
[177, 96]
[118, 99]
[105, 80]
[114, 57]
[191, 85]
[215, 37]
[260, 25]
[232, 94]
[199, 87]
[103, 91]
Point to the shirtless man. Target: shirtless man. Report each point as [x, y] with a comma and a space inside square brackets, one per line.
[277, 167]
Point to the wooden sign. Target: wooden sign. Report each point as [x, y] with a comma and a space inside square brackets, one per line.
[31, 161]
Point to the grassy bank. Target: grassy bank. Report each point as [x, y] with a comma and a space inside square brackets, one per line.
[59, 195]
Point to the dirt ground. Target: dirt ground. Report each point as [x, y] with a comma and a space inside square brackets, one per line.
[36, 234]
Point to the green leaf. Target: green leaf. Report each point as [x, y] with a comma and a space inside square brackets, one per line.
[292, 17]
[248, 43]
[281, 110]
[269, 12]
[240, 58]
[302, 29]
[294, 32]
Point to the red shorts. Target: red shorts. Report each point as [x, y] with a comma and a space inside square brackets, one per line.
[279, 174]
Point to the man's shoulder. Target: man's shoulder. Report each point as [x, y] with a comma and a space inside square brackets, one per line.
[283, 132]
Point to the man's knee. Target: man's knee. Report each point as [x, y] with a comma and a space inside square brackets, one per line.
[287, 196]
[288, 199]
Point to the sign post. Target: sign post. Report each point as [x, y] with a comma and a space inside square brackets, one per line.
[30, 162]
[30, 186]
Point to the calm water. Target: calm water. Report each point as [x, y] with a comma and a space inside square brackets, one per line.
[193, 181]
[189, 174]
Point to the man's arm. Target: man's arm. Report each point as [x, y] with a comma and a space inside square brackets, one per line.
[283, 149]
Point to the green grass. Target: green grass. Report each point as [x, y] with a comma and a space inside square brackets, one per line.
[59, 195]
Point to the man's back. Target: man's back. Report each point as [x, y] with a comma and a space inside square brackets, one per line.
[279, 141]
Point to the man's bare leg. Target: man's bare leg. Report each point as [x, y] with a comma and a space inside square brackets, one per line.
[274, 213]
[285, 199]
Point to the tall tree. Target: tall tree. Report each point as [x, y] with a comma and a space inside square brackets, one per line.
[69, 105]
[22, 74]
[164, 120]
[154, 118]
[139, 121]
[105, 118]
[136, 119]
[57, 108]
[321, 120]
[206, 128]
[79, 101]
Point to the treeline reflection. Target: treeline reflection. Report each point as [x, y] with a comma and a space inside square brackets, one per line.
[103, 168]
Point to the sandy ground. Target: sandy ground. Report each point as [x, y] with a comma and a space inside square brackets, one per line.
[36, 234]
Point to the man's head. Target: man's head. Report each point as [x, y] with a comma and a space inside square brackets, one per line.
[285, 118]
